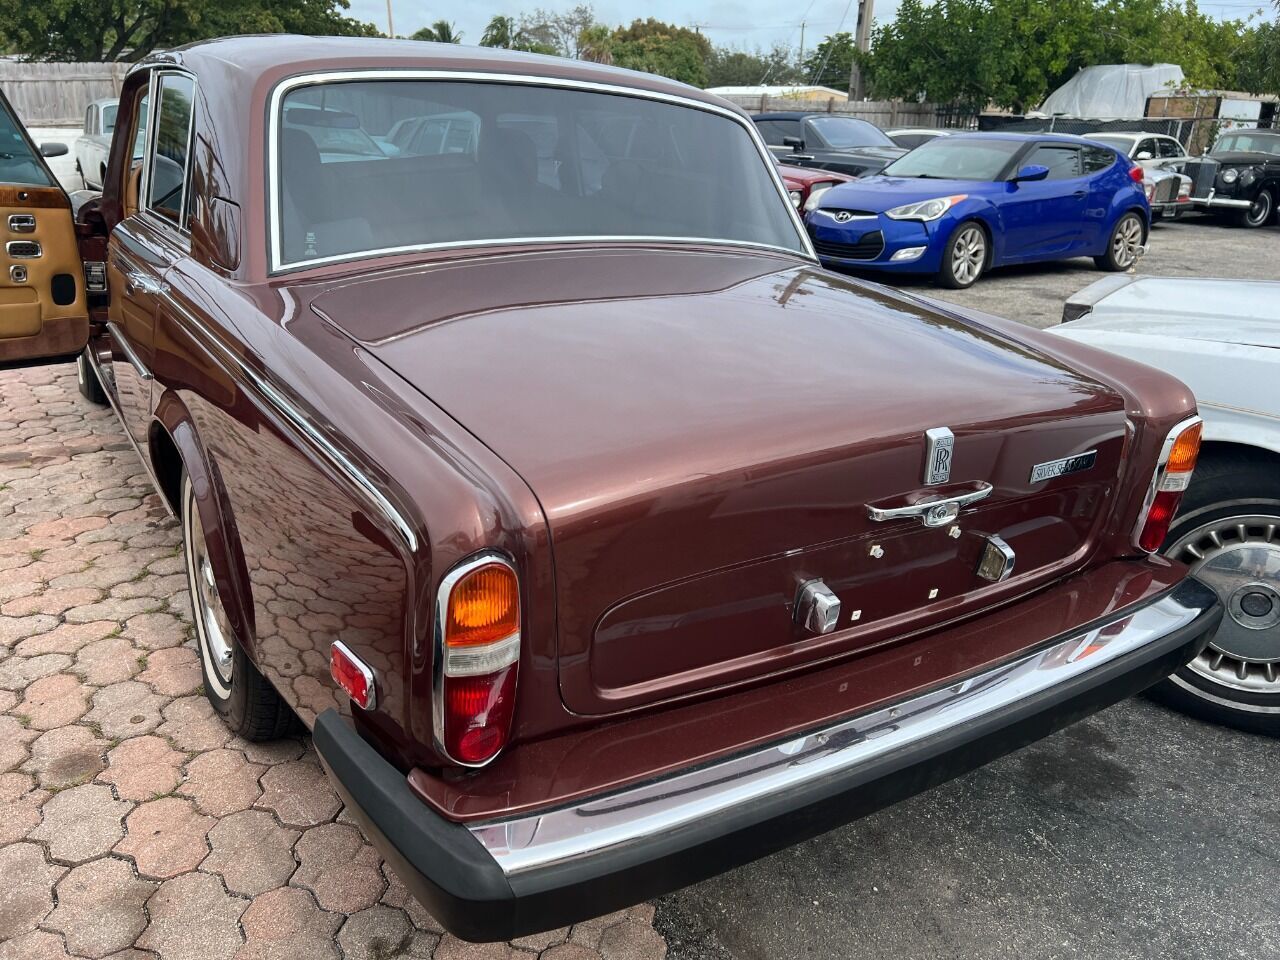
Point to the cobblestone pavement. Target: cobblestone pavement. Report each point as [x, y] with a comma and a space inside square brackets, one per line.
[132, 824]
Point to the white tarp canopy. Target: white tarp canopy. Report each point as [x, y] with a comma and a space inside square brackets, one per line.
[1111, 91]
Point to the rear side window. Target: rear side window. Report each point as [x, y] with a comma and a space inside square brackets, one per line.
[1063, 162]
[166, 188]
[774, 130]
[1097, 159]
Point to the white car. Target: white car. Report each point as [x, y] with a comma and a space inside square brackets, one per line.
[95, 142]
[1221, 338]
[1151, 151]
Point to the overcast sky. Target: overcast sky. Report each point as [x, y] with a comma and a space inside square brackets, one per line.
[743, 24]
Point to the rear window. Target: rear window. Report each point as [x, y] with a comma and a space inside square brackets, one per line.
[372, 166]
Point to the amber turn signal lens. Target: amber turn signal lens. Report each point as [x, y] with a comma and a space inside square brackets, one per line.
[484, 606]
[1182, 456]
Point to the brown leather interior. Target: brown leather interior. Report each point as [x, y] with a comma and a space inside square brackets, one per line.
[132, 186]
[32, 322]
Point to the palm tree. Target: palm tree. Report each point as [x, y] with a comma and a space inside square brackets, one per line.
[501, 32]
[442, 31]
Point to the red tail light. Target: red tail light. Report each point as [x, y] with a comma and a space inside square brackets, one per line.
[1173, 475]
[478, 652]
[1136, 174]
[350, 673]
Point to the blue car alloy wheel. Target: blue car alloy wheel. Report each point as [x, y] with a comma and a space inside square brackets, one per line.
[958, 206]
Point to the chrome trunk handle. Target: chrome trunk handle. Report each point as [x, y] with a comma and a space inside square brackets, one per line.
[932, 513]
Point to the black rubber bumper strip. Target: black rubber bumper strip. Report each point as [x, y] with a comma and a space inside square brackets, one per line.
[457, 880]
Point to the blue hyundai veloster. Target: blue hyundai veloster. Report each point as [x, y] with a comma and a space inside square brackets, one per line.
[957, 206]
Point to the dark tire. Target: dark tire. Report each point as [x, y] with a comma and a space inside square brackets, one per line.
[243, 697]
[87, 381]
[1228, 531]
[1123, 245]
[1258, 214]
[965, 257]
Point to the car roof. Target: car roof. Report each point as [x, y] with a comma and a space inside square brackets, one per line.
[803, 115]
[244, 60]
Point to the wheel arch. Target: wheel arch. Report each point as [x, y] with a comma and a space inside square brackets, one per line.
[174, 444]
[981, 217]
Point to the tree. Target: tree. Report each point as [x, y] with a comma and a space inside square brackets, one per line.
[559, 33]
[662, 48]
[74, 30]
[505, 32]
[831, 62]
[442, 31]
[1014, 52]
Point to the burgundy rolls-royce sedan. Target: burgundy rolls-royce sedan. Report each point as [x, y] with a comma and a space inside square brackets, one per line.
[603, 539]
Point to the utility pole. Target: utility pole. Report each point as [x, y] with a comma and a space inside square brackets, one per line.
[391, 27]
[862, 41]
[800, 59]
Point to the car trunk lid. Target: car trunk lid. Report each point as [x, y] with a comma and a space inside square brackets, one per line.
[705, 432]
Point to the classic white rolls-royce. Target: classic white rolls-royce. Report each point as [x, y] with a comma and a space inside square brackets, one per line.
[1221, 338]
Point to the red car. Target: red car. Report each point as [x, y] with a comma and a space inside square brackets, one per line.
[603, 539]
[805, 186]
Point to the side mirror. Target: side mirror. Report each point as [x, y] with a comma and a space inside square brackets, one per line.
[52, 149]
[1143, 155]
[1032, 171]
[795, 143]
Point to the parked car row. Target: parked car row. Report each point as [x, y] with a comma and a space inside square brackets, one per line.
[645, 546]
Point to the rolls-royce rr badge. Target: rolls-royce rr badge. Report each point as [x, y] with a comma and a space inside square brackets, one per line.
[939, 445]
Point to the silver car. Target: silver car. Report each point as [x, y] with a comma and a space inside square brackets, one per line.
[94, 142]
[1222, 338]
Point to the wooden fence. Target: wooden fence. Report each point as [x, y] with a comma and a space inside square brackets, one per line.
[56, 94]
[886, 114]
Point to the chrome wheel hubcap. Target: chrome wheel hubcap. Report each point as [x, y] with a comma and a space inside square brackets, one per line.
[1239, 557]
[1127, 241]
[213, 628]
[968, 254]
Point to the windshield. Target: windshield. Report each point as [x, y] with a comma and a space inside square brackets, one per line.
[848, 132]
[956, 158]
[1251, 142]
[18, 162]
[491, 162]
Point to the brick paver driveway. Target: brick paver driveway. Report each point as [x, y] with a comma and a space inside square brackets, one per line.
[132, 824]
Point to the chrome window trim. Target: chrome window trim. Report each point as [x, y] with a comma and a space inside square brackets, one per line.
[275, 257]
[612, 823]
[183, 225]
[447, 583]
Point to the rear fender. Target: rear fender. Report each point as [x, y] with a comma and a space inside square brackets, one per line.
[174, 421]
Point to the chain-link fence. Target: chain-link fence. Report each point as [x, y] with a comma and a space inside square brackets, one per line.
[1196, 134]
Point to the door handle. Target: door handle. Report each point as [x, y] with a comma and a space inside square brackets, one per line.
[135, 281]
[932, 513]
[1081, 193]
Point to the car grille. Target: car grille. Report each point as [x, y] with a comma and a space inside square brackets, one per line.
[1166, 190]
[868, 247]
[1203, 173]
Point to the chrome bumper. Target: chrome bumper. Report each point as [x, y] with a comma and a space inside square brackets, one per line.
[1215, 201]
[609, 824]
[525, 874]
